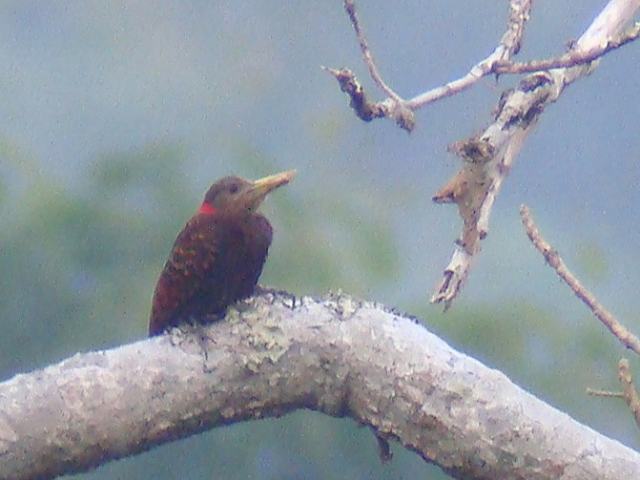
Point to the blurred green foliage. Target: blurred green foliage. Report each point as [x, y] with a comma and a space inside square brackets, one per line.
[592, 262]
[80, 250]
[79, 265]
[79, 262]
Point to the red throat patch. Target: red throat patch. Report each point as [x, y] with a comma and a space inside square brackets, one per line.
[207, 209]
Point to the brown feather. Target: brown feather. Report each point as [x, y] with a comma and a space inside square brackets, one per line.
[216, 260]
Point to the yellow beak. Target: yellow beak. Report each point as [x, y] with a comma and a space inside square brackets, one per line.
[260, 188]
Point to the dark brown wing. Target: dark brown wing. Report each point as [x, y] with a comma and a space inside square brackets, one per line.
[184, 277]
[215, 261]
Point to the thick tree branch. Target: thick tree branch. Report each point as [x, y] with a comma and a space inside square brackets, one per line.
[276, 354]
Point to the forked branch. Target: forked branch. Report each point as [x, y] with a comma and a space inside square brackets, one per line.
[629, 392]
[489, 156]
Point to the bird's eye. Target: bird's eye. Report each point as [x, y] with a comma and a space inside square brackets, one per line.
[234, 188]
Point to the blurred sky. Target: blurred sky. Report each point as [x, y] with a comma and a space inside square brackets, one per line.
[84, 78]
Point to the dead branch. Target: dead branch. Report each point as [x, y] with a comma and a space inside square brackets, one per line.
[350, 8]
[498, 62]
[509, 45]
[604, 393]
[629, 392]
[554, 260]
[570, 59]
[628, 389]
[489, 156]
[401, 110]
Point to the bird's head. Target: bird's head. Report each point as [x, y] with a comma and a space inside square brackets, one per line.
[236, 195]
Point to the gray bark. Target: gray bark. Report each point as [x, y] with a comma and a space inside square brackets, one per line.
[275, 354]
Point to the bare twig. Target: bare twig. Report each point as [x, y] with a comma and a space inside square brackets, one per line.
[350, 7]
[629, 392]
[628, 389]
[349, 84]
[402, 110]
[499, 62]
[571, 58]
[367, 110]
[552, 257]
[489, 155]
[393, 107]
[509, 45]
[604, 393]
[454, 275]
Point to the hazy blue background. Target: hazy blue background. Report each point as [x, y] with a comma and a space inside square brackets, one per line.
[117, 116]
